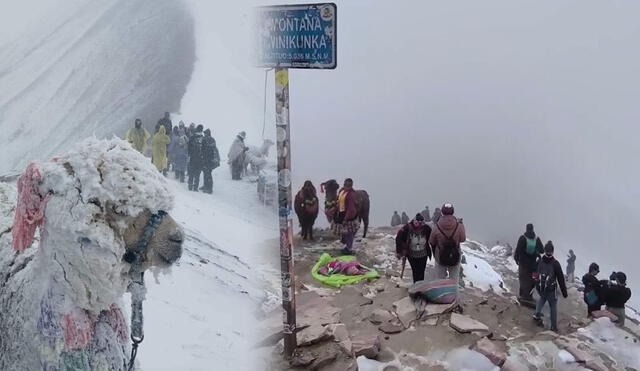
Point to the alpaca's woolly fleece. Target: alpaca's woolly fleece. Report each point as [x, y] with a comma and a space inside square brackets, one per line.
[60, 298]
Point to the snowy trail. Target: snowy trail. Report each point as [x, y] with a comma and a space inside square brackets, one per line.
[202, 315]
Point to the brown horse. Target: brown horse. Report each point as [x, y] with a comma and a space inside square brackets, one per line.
[331, 188]
[306, 208]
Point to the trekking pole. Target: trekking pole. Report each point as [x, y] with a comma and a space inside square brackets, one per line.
[404, 264]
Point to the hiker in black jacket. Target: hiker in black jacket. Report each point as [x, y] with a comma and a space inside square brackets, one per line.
[527, 253]
[549, 276]
[616, 296]
[593, 289]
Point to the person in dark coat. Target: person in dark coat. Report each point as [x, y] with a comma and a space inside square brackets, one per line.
[571, 266]
[549, 276]
[404, 218]
[210, 160]
[395, 219]
[195, 158]
[617, 295]
[180, 154]
[412, 241]
[527, 253]
[593, 289]
[166, 122]
[426, 214]
[437, 213]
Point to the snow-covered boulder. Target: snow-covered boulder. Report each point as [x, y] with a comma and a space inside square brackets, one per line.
[60, 293]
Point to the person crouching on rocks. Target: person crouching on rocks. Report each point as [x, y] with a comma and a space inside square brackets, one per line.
[412, 241]
[617, 295]
[548, 277]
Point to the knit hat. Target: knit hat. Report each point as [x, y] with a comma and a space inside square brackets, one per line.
[419, 217]
[594, 267]
[549, 247]
[447, 209]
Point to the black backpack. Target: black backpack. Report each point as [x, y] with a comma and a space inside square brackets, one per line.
[449, 252]
[547, 281]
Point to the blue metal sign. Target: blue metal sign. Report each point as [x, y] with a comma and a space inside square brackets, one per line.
[297, 36]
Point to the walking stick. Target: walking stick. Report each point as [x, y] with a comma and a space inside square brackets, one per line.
[404, 264]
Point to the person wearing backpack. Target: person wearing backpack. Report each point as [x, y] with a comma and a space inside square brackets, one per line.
[412, 242]
[447, 235]
[549, 276]
[616, 296]
[527, 253]
[195, 158]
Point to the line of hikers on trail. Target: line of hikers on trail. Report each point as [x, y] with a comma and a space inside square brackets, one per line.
[403, 219]
[539, 269]
[191, 150]
[423, 238]
[419, 240]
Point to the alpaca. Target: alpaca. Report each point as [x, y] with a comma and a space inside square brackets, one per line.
[61, 295]
[256, 157]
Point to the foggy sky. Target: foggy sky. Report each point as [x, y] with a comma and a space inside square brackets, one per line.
[514, 111]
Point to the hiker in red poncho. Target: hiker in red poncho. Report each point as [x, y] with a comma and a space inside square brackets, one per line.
[346, 221]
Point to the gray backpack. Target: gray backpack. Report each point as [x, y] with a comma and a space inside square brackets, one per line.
[547, 277]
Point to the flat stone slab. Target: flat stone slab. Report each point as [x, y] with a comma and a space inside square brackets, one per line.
[432, 321]
[368, 347]
[604, 313]
[340, 334]
[465, 324]
[391, 328]
[431, 310]
[313, 334]
[317, 312]
[379, 316]
[406, 310]
[495, 351]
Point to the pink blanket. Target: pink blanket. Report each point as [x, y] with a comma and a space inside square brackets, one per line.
[353, 268]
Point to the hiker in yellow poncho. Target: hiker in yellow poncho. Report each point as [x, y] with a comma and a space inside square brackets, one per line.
[138, 137]
[159, 148]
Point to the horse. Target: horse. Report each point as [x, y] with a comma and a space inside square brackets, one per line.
[331, 188]
[306, 208]
[256, 157]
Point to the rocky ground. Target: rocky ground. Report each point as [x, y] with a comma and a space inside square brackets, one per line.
[377, 326]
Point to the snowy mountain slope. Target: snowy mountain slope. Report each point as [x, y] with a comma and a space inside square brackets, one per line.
[89, 67]
[203, 314]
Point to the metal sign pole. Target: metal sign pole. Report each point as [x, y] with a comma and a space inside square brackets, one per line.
[285, 207]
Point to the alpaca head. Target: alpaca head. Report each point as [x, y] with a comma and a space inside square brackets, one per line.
[92, 205]
[266, 146]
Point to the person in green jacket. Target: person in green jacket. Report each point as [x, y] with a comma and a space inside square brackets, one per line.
[138, 137]
[159, 148]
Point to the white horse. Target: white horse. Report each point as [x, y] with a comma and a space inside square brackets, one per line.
[256, 157]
